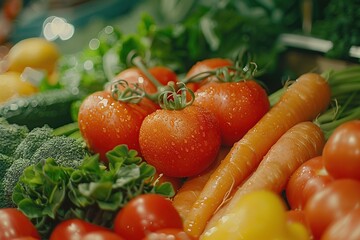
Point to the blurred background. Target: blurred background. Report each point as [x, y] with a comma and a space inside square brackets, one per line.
[290, 37]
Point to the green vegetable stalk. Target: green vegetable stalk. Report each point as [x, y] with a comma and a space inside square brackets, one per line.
[49, 193]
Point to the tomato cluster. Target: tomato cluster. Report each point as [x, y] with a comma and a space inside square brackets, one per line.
[326, 189]
[179, 142]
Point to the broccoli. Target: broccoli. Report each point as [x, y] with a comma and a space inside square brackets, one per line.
[5, 164]
[10, 136]
[67, 152]
[33, 141]
[11, 177]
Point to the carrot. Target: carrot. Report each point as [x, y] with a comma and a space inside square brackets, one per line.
[302, 101]
[300, 143]
[190, 190]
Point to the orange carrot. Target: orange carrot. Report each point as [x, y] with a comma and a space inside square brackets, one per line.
[302, 101]
[190, 190]
[300, 143]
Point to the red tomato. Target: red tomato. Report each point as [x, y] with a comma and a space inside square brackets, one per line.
[308, 179]
[144, 214]
[25, 238]
[168, 233]
[332, 203]
[14, 224]
[346, 227]
[160, 73]
[342, 151]
[74, 229]
[101, 235]
[180, 143]
[204, 66]
[237, 105]
[105, 123]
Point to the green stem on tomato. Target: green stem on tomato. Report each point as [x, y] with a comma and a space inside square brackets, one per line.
[137, 61]
[176, 98]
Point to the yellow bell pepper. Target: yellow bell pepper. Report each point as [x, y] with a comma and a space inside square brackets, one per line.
[259, 215]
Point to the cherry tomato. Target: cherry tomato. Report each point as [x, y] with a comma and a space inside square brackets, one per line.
[332, 203]
[346, 227]
[105, 123]
[144, 214]
[101, 235]
[237, 105]
[14, 224]
[308, 179]
[342, 151]
[168, 233]
[74, 229]
[180, 143]
[25, 238]
[204, 66]
[160, 73]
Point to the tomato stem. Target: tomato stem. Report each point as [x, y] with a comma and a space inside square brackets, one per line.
[176, 97]
[121, 91]
[137, 61]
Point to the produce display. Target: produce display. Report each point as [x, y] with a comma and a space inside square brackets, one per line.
[126, 141]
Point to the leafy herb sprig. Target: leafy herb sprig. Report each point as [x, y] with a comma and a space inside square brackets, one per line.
[48, 193]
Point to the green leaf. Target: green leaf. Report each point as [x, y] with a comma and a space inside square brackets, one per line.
[165, 189]
[146, 170]
[30, 208]
[127, 174]
[96, 190]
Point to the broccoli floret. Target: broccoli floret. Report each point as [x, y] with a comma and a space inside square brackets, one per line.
[33, 141]
[11, 136]
[10, 180]
[5, 163]
[67, 152]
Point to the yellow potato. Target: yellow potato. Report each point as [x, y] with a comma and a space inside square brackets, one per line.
[37, 53]
[12, 85]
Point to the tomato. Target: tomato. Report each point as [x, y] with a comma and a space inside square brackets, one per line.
[105, 123]
[25, 238]
[14, 224]
[237, 105]
[101, 235]
[37, 53]
[168, 233]
[204, 66]
[163, 74]
[74, 229]
[144, 214]
[308, 179]
[332, 203]
[346, 227]
[180, 143]
[341, 152]
[160, 73]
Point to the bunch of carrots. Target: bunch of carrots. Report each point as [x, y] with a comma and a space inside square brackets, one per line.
[303, 115]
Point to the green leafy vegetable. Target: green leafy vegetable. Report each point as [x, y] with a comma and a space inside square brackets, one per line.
[49, 193]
